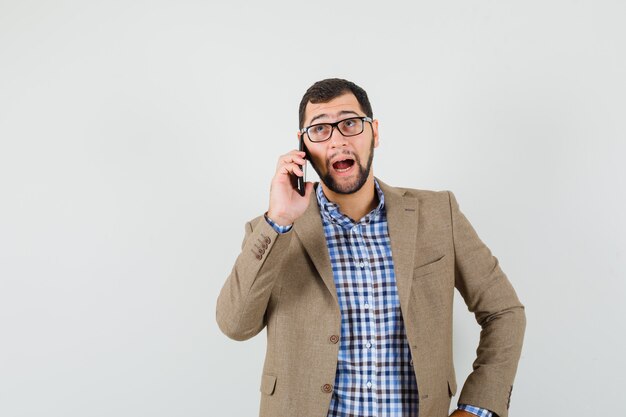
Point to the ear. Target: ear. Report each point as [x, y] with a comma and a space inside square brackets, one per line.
[375, 132]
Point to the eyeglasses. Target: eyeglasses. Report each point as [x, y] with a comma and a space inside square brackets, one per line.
[347, 127]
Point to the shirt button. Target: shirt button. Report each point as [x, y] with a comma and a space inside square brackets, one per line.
[327, 388]
[369, 384]
[362, 265]
[368, 345]
[366, 306]
[334, 338]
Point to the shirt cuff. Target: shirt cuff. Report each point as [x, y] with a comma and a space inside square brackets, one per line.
[278, 228]
[480, 412]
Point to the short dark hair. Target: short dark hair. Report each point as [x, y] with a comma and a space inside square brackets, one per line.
[330, 88]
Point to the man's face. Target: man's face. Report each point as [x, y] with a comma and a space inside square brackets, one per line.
[342, 163]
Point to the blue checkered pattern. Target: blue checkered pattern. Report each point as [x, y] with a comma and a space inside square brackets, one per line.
[374, 372]
[374, 369]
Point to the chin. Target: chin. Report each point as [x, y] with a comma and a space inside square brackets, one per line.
[343, 185]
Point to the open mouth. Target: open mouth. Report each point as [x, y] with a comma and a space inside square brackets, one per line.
[343, 165]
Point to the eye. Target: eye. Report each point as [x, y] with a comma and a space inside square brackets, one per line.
[318, 132]
[349, 123]
[351, 127]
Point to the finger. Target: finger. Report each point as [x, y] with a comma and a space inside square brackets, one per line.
[296, 153]
[291, 169]
[292, 158]
[293, 152]
[285, 164]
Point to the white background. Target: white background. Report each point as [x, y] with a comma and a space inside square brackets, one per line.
[137, 137]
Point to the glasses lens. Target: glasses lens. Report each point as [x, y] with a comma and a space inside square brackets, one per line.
[351, 127]
[319, 132]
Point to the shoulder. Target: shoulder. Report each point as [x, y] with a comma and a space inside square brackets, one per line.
[423, 196]
[431, 203]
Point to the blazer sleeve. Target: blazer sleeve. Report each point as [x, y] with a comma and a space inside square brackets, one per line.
[490, 296]
[244, 297]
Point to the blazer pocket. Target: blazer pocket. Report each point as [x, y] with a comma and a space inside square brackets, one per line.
[429, 268]
[268, 382]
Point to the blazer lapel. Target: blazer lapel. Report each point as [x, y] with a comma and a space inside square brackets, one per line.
[310, 231]
[402, 214]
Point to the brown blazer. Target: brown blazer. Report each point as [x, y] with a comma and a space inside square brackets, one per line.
[285, 282]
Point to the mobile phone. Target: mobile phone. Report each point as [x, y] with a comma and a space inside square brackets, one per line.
[300, 180]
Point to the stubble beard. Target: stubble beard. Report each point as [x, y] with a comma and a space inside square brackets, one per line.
[347, 188]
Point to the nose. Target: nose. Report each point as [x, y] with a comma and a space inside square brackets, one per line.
[337, 139]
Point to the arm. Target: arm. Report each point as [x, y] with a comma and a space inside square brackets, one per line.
[245, 296]
[489, 295]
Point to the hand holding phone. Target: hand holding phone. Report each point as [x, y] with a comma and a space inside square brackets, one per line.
[289, 193]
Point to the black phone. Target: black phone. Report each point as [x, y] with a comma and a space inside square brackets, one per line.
[300, 180]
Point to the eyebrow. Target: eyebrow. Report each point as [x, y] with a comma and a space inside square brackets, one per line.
[341, 113]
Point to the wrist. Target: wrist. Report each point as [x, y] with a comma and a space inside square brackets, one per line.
[278, 219]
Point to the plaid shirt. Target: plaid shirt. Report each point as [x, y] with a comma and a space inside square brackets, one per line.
[375, 374]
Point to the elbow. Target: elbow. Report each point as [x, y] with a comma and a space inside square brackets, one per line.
[237, 334]
[233, 331]
[515, 316]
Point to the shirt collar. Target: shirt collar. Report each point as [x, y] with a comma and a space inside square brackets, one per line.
[331, 211]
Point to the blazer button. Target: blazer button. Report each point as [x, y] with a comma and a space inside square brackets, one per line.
[259, 257]
[327, 388]
[334, 338]
[267, 240]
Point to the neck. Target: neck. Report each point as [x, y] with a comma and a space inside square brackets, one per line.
[355, 205]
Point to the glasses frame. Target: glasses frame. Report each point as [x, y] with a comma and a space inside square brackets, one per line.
[336, 125]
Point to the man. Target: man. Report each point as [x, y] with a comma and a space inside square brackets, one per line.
[356, 284]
